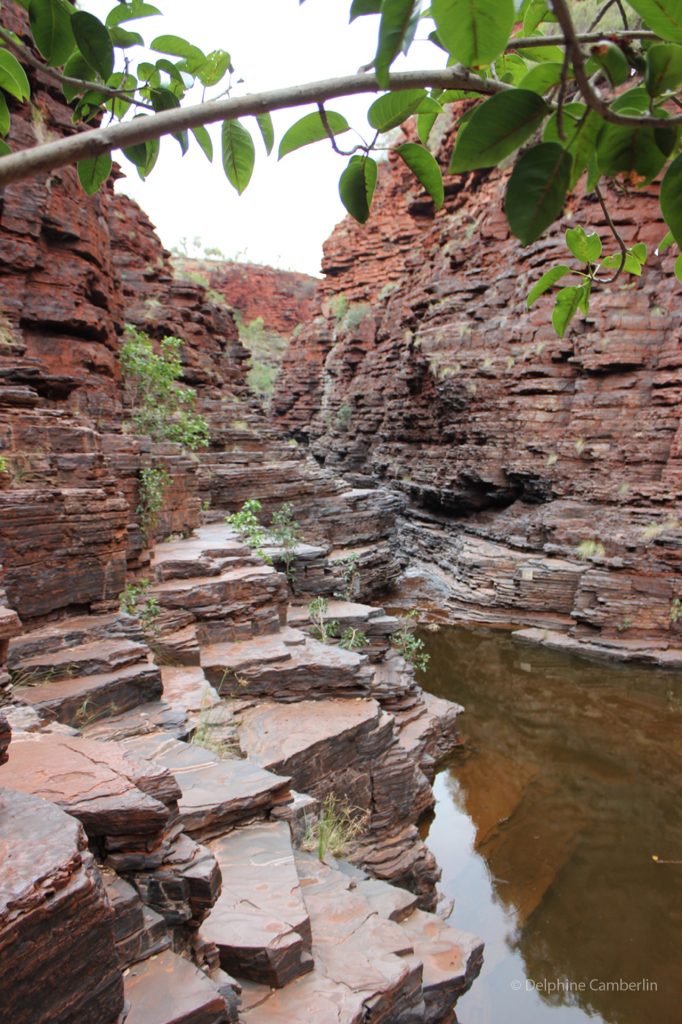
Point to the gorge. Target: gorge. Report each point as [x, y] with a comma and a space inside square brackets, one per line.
[173, 719]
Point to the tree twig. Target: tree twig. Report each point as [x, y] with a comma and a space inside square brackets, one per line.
[616, 234]
[593, 99]
[619, 36]
[330, 135]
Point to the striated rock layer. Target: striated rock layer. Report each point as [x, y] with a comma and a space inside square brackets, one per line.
[544, 475]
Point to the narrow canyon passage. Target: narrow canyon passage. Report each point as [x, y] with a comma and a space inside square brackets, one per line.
[546, 825]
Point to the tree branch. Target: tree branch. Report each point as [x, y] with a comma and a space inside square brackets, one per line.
[618, 36]
[593, 100]
[94, 142]
[616, 234]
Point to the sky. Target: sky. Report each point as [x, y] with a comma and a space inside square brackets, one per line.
[290, 207]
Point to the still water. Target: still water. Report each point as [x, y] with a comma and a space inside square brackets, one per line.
[545, 826]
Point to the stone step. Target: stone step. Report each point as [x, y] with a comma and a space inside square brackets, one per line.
[167, 989]
[217, 795]
[93, 658]
[80, 700]
[72, 633]
[240, 602]
[286, 667]
[364, 970]
[259, 924]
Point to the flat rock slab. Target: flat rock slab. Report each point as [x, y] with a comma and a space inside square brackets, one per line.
[167, 989]
[286, 669]
[216, 795]
[308, 737]
[97, 656]
[364, 966]
[80, 700]
[115, 795]
[58, 960]
[452, 960]
[259, 923]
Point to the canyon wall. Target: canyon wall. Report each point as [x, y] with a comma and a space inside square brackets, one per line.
[543, 475]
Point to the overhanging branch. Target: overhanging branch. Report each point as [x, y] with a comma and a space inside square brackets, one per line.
[95, 141]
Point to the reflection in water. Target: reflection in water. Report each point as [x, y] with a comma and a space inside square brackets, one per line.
[545, 826]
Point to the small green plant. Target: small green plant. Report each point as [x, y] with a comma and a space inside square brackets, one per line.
[590, 549]
[338, 305]
[322, 628]
[338, 824]
[350, 573]
[160, 406]
[154, 482]
[354, 315]
[285, 531]
[4, 465]
[353, 639]
[248, 526]
[624, 625]
[676, 609]
[207, 734]
[410, 646]
[136, 600]
[205, 505]
[344, 417]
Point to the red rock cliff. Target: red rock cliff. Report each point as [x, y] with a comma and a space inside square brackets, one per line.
[544, 474]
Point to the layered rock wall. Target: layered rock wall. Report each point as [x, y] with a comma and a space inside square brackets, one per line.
[544, 474]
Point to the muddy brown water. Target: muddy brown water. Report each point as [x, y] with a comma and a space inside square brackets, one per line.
[546, 824]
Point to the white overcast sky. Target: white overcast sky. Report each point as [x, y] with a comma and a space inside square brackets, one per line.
[291, 207]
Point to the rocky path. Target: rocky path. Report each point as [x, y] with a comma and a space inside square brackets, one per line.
[190, 759]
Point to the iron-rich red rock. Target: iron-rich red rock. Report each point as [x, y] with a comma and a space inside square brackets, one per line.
[58, 961]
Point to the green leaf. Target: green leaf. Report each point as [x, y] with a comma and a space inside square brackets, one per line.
[614, 62]
[239, 154]
[633, 151]
[356, 186]
[631, 265]
[425, 123]
[678, 268]
[214, 68]
[547, 281]
[567, 304]
[396, 17]
[536, 12]
[177, 47]
[665, 243]
[664, 17]
[542, 77]
[395, 107]
[671, 198]
[474, 32]
[586, 248]
[510, 68]
[359, 8]
[93, 42]
[4, 115]
[122, 39]
[267, 131]
[4, 148]
[129, 12]
[425, 168]
[540, 54]
[496, 128]
[311, 129]
[537, 190]
[581, 130]
[13, 77]
[663, 68]
[51, 28]
[77, 67]
[204, 139]
[94, 172]
[632, 100]
[118, 80]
